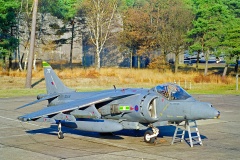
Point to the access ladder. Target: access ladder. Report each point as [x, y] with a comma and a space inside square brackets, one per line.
[191, 126]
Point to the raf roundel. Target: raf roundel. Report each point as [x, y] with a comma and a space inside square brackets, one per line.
[136, 108]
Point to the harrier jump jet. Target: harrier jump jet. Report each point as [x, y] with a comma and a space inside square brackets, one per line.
[116, 109]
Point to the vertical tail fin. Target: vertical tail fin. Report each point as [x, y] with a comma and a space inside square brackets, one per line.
[53, 83]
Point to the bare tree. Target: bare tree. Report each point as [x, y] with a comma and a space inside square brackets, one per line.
[100, 16]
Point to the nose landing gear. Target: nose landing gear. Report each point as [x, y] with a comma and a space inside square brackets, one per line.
[151, 136]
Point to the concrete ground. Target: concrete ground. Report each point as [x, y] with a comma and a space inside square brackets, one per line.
[32, 140]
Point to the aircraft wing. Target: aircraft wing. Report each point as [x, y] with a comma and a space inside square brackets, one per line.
[73, 105]
[39, 100]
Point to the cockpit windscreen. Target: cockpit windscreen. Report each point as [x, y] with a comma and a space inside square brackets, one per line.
[172, 91]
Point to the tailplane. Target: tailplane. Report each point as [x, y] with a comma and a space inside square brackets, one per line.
[53, 83]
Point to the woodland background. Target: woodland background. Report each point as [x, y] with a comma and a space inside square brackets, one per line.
[125, 33]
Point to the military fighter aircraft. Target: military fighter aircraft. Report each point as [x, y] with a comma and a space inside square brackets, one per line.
[116, 109]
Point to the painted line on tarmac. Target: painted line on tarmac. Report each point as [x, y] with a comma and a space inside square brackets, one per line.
[6, 127]
[9, 119]
[19, 135]
[20, 121]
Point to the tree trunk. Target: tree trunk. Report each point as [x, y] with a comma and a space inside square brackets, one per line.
[131, 55]
[206, 68]
[236, 65]
[97, 59]
[10, 62]
[18, 47]
[4, 63]
[34, 62]
[176, 64]
[32, 43]
[139, 62]
[25, 62]
[72, 43]
[197, 63]
[19, 59]
[206, 63]
[225, 70]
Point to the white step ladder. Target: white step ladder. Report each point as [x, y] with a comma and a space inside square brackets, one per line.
[191, 127]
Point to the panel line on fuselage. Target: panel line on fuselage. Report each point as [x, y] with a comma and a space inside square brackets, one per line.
[165, 107]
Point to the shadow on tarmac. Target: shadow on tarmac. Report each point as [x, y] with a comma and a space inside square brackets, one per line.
[165, 131]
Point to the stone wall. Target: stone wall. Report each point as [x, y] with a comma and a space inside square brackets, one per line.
[53, 38]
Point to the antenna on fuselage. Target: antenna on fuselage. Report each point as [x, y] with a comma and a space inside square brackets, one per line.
[114, 87]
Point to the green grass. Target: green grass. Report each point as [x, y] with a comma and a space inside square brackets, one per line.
[7, 93]
[215, 89]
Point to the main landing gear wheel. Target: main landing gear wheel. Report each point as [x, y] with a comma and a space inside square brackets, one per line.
[60, 133]
[151, 136]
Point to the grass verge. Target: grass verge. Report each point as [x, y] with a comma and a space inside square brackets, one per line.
[12, 82]
[196, 89]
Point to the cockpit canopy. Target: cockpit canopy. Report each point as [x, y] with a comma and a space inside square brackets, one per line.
[172, 91]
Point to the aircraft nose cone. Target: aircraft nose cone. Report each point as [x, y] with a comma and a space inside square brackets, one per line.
[204, 111]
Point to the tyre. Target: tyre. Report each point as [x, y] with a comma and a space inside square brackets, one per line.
[146, 137]
[60, 135]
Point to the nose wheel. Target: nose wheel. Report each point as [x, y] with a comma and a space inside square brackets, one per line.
[151, 136]
[60, 133]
